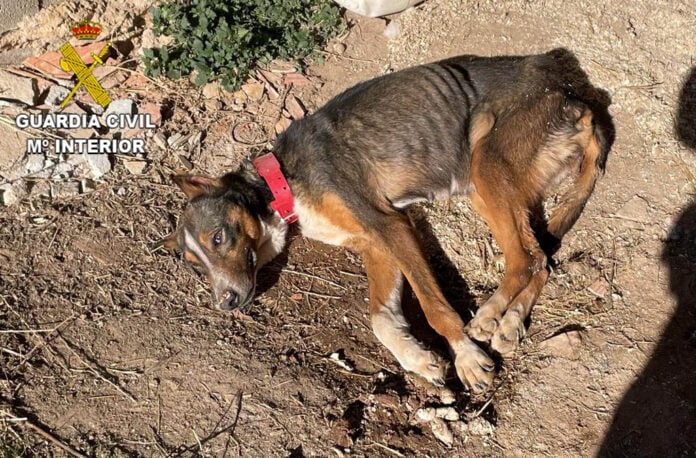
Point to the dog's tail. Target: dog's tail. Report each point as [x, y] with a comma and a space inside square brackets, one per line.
[595, 150]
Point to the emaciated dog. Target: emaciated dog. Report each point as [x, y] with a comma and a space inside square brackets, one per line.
[503, 130]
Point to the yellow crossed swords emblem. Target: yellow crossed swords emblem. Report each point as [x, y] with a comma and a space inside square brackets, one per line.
[71, 61]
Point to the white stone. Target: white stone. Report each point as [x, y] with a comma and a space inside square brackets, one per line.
[442, 432]
[56, 95]
[135, 167]
[8, 195]
[425, 414]
[99, 164]
[447, 413]
[121, 106]
[35, 163]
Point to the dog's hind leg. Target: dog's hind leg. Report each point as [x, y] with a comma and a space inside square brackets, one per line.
[566, 213]
[474, 367]
[509, 222]
[388, 321]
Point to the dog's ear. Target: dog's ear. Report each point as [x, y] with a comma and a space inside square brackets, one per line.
[170, 242]
[195, 185]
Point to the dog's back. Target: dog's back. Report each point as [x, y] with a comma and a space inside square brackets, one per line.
[408, 135]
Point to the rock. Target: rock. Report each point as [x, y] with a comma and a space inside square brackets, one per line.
[272, 81]
[566, 345]
[13, 147]
[99, 164]
[49, 62]
[211, 91]
[121, 106]
[35, 163]
[56, 94]
[253, 90]
[442, 432]
[195, 139]
[212, 105]
[599, 287]
[62, 171]
[393, 30]
[94, 108]
[188, 164]
[135, 167]
[447, 396]
[160, 140]
[65, 189]
[447, 413]
[154, 110]
[296, 79]
[40, 188]
[294, 107]
[175, 140]
[282, 124]
[8, 194]
[15, 88]
[113, 79]
[479, 426]
[425, 414]
[109, 75]
[87, 185]
[339, 48]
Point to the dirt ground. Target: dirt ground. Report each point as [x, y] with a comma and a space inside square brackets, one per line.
[127, 359]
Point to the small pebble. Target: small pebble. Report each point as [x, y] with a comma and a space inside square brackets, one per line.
[442, 432]
[425, 414]
[447, 396]
[447, 413]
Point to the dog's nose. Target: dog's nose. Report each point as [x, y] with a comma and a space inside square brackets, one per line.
[230, 301]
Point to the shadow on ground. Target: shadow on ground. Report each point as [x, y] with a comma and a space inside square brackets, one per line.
[657, 416]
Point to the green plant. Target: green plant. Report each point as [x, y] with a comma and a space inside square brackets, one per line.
[226, 39]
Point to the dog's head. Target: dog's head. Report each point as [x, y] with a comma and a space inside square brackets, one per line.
[220, 234]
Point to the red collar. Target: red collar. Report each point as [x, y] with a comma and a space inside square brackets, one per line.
[268, 168]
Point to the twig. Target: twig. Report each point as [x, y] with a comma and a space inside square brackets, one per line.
[42, 341]
[237, 400]
[351, 274]
[25, 331]
[610, 299]
[485, 405]
[96, 372]
[388, 449]
[10, 352]
[46, 435]
[200, 446]
[323, 296]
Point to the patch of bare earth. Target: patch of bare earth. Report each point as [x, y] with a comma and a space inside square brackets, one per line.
[126, 358]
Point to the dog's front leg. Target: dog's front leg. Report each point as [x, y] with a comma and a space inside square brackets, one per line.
[388, 321]
[474, 367]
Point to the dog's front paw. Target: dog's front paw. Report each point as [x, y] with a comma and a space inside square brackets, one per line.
[484, 324]
[509, 333]
[474, 367]
[428, 365]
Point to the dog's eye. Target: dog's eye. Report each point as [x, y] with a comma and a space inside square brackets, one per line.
[217, 238]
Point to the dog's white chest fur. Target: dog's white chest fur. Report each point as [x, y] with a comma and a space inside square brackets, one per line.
[316, 226]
